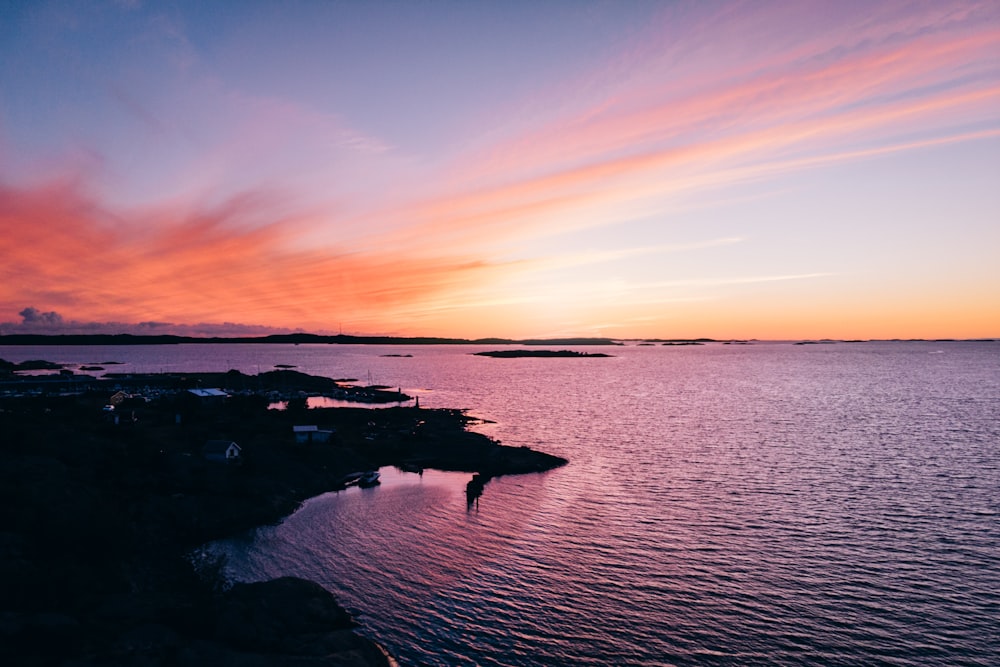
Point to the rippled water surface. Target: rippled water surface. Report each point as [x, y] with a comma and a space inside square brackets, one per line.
[761, 504]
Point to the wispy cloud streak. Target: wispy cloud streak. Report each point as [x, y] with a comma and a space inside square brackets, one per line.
[928, 83]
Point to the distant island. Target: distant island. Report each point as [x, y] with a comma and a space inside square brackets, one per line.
[514, 354]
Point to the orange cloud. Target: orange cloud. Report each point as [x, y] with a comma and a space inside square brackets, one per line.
[62, 249]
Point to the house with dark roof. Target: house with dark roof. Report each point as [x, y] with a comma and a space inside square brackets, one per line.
[311, 434]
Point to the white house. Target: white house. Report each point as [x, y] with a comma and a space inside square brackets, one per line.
[221, 450]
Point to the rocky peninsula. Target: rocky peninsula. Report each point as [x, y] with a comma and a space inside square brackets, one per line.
[108, 485]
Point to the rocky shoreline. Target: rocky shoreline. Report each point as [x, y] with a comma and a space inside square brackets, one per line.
[101, 508]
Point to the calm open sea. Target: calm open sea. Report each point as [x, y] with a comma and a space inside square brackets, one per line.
[735, 505]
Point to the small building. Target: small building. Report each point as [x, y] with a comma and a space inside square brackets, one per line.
[311, 434]
[221, 451]
[209, 395]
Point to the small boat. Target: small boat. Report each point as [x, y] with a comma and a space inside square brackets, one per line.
[351, 478]
[369, 478]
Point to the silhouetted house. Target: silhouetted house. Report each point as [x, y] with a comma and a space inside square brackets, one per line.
[221, 451]
[307, 435]
[209, 395]
[118, 398]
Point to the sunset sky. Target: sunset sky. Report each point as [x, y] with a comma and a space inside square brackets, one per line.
[520, 169]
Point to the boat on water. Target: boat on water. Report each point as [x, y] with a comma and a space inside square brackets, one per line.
[351, 478]
[369, 478]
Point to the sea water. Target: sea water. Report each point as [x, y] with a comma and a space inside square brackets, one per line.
[724, 504]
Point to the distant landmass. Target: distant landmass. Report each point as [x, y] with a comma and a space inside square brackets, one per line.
[282, 339]
[342, 339]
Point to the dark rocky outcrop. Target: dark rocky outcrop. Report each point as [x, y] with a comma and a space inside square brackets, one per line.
[515, 354]
[98, 518]
[292, 617]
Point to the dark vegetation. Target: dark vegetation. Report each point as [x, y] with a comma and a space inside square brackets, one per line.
[280, 384]
[98, 518]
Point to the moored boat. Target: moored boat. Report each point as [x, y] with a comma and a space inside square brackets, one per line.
[369, 478]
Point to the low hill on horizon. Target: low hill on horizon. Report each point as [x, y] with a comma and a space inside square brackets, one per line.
[282, 339]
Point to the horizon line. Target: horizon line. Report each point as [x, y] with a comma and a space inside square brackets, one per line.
[376, 339]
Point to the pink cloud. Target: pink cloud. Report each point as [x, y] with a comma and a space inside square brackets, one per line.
[860, 88]
[805, 84]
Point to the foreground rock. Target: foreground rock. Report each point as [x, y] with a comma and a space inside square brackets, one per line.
[292, 617]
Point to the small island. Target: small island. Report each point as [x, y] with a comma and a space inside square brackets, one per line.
[109, 485]
[516, 354]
